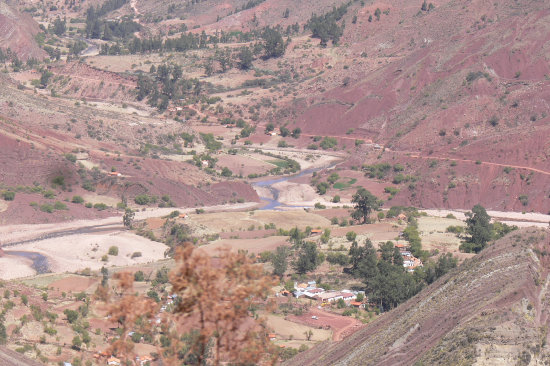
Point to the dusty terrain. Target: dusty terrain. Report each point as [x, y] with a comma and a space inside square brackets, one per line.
[439, 108]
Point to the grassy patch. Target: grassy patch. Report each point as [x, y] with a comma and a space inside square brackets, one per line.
[283, 164]
[344, 185]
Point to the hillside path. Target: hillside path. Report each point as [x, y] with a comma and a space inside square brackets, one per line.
[416, 156]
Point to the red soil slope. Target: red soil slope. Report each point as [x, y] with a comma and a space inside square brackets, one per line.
[414, 93]
[17, 32]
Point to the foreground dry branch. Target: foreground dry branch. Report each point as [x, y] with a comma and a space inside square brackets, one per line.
[212, 320]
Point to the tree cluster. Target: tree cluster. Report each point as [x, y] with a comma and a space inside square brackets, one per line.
[166, 83]
[325, 27]
[480, 230]
[274, 45]
[97, 28]
[387, 283]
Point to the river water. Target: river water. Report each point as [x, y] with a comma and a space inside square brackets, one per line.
[39, 262]
[273, 203]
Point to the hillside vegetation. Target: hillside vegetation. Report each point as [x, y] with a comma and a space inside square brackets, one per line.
[493, 309]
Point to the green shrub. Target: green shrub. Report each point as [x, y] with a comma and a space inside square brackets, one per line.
[113, 250]
[328, 143]
[455, 229]
[88, 185]
[60, 206]
[46, 207]
[524, 199]
[77, 199]
[49, 194]
[100, 206]
[71, 157]
[142, 199]
[58, 181]
[8, 195]
[139, 276]
[391, 190]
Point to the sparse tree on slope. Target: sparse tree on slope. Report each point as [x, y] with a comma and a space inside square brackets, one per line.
[480, 229]
[365, 202]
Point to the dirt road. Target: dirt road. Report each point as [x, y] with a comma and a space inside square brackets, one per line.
[21, 234]
[341, 326]
[424, 157]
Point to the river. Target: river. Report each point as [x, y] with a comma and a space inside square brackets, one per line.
[273, 203]
[39, 262]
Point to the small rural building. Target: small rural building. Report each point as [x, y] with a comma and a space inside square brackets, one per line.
[411, 263]
[402, 247]
[143, 360]
[312, 293]
[113, 361]
[316, 232]
[115, 174]
[183, 216]
[329, 297]
[402, 216]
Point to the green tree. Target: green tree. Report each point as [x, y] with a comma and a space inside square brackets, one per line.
[296, 132]
[77, 343]
[480, 229]
[8, 195]
[296, 236]
[386, 251]
[333, 178]
[364, 203]
[3, 333]
[274, 45]
[59, 26]
[139, 276]
[104, 276]
[245, 58]
[412, 235]
[326, 236]
[363, 260]
[71, 315]
[322, 188]
[45, 78]
[279, 261]
[226, 172]
[307, 258]
[269, 127]
[128, 218]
